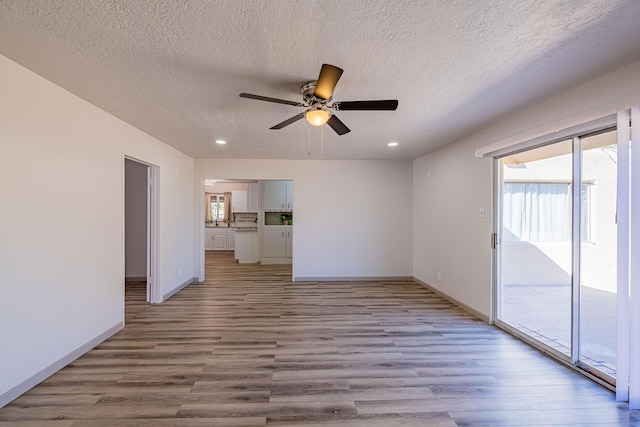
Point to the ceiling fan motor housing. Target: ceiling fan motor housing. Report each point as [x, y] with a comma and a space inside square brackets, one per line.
[308, 90]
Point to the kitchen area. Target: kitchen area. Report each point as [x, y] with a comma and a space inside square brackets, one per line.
[253, 219]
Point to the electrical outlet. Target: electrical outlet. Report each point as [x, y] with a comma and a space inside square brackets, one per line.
[481, 212]
[439, 276]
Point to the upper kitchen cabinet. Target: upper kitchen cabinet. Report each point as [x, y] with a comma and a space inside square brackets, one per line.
[253, 197]
[277, 195]
[239, 201]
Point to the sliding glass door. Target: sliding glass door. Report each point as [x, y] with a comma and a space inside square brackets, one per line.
[598, 253]
[557, 249]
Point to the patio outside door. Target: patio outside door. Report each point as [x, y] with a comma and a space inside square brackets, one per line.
[556, 257]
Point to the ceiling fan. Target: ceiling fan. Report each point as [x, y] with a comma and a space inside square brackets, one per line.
[316, 97]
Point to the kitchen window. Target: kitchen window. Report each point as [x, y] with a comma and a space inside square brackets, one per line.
[217, 207]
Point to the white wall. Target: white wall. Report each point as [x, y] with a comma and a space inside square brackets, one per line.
[450, 185]
[135, 219]
[450, 241]
[61, 248]
[222, 187]
[352, 218]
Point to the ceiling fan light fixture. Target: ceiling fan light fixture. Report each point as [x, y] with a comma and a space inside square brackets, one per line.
[317, 117]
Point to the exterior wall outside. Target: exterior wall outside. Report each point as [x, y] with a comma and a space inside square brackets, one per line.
[62, 248]
[549, 263]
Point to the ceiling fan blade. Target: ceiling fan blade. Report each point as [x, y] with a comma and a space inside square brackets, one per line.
[288, 121]
[385, 104]
[268, 99]
[327, 80]
[337, 125]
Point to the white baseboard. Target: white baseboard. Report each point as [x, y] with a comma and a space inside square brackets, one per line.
[267, 261]
[449, 298]
[45, 373]
[354, 279]
[179, 288]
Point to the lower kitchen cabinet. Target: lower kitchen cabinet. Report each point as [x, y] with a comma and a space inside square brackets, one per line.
[231, 239]
[219, 239]
[208, 240]
[277, 241]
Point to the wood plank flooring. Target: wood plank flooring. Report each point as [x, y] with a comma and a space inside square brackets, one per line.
[248, 347]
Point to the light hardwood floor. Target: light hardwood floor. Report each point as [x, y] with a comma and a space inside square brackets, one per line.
[251, 348]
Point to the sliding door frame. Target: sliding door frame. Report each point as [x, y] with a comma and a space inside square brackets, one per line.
[573, 361]
[576, 240]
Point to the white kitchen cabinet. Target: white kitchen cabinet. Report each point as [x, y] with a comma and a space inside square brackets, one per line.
[288, 242]
[277, 195]
[208, 239]
[289, 195]
[231, 239]
[277, 241]
[247, 247]
[239, 201]
[253, 197]
[219, 239]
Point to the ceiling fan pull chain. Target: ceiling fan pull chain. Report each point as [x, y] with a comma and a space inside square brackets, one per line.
[309, 134]
[321, 142]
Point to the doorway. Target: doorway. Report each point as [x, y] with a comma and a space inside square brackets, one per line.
[557, 252]
[251, 218]
[140, 231]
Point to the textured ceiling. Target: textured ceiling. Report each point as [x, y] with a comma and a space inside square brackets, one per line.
[174, 68]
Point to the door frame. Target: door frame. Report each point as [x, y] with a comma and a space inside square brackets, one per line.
[572, 361]
[154, 294]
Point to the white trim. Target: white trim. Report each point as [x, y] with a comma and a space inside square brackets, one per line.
[454, 301]
[634, 263]
[153, 226]
[179, 288]
[200, 227]
[542, 136]
[45, 373]
[496, 222]
[276, 260]
[150, 186]
[576, 250]
[355, 279]
[622, 296]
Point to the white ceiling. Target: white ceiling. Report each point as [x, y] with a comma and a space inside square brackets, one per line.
[174, 68]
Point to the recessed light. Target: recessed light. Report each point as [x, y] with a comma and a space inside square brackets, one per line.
[220, 141]
[392, 144]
